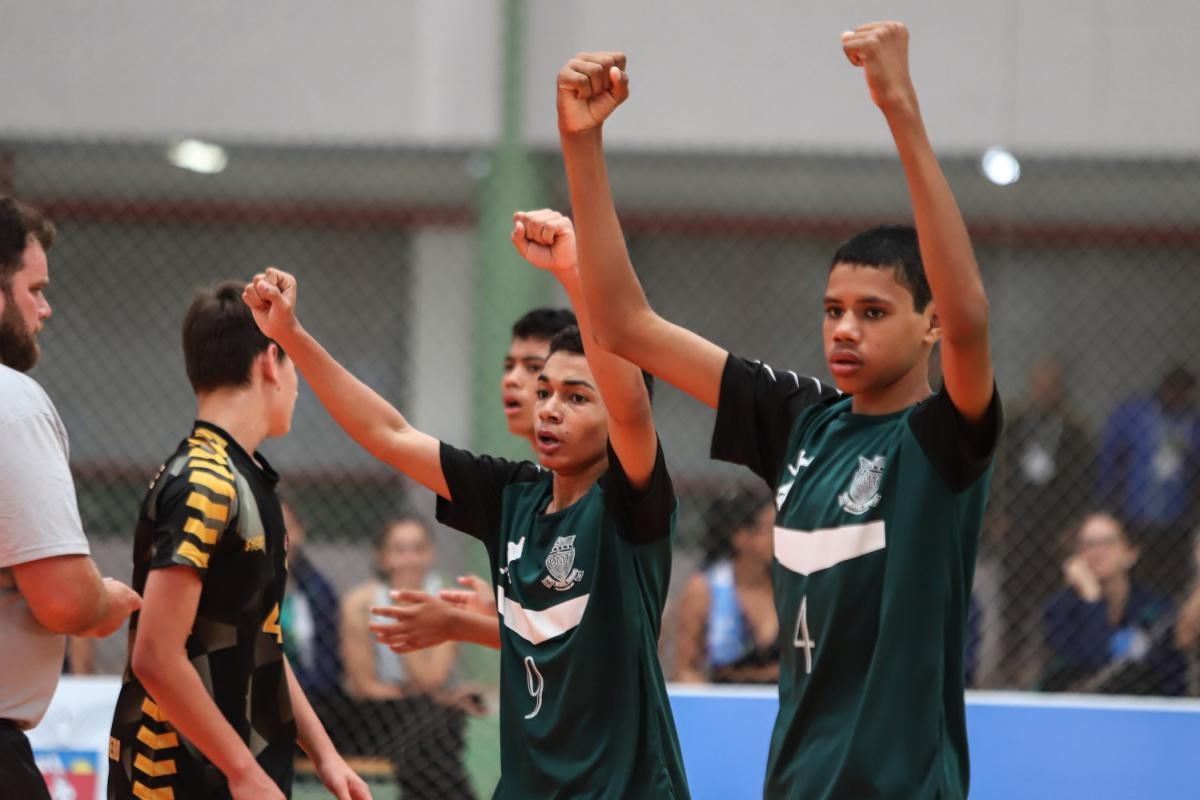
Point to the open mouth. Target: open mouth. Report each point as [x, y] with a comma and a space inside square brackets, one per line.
[512, 406]
[547, 442]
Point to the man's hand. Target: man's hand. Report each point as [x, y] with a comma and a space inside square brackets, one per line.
[881, 49]
[122, 601]
[421, 620]
[546, 239]
[476, 598]
[341, 781]
[1080, 577]
[271, 295]
[590, 87]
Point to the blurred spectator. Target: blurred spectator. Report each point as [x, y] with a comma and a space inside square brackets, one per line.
[1044, 475]
[1149, 465]
[310, 622]
[728, 630]
[409, 710]
[309, 618]
[1105, 632]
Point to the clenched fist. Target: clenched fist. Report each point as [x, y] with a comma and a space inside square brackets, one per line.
[881, 49]
[545, 239]
[271, 296]
[590, 87]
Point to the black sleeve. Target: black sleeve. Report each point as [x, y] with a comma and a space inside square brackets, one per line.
[476, 488]
[959, 450]
[755, 413]
[643, 515]
[192, 512]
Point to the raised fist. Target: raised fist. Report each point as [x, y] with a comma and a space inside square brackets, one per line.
[271, 296]
[881, 49]
[590, 87]
[546, 239]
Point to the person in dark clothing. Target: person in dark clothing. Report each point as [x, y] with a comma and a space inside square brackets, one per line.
[1105, 632]
[1043, 477]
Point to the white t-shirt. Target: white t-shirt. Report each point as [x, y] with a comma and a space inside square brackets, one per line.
[39, 518]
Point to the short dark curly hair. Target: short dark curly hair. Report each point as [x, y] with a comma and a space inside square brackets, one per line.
[18, 223]
[569, 340]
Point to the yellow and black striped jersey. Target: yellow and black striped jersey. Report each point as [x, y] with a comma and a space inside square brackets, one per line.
[212, 508]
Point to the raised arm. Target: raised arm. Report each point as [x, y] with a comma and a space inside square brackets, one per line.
[546, 239]
[881, 49]
[369, 419]
[590, 87]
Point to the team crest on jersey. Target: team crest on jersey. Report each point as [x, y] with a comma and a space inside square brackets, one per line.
[863, 494]
[559, 564]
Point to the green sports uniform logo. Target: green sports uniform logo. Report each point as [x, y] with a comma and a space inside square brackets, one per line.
[863, 494]
[559, 564]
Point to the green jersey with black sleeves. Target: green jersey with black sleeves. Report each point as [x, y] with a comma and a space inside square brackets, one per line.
[583, 705]
[878, 520]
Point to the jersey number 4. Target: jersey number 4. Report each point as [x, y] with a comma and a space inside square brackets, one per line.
[272, 626]
[804, 639]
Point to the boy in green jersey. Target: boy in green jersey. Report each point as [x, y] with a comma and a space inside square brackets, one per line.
[424, 620]
[580, 546]
[880, 482]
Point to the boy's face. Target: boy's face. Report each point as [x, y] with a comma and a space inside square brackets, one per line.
[518, 387]
[571, 432]
[873, 335]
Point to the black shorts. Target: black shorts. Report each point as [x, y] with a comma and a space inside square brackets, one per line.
[19, 775]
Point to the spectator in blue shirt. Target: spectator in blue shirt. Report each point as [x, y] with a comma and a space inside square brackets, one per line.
[1149, 468]
[1106, 633]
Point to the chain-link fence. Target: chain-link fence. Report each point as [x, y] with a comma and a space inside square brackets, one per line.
[1086, 577]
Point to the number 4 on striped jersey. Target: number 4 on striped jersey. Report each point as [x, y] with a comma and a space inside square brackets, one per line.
[272, 626]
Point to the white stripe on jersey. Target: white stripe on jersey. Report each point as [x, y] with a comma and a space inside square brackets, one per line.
[515, 551]
[536, 627]
[807, 552]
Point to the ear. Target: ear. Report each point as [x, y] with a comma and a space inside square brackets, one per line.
[933, 325]
[268, 362]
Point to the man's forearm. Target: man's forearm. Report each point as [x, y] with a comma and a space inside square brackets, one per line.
[65, 594]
